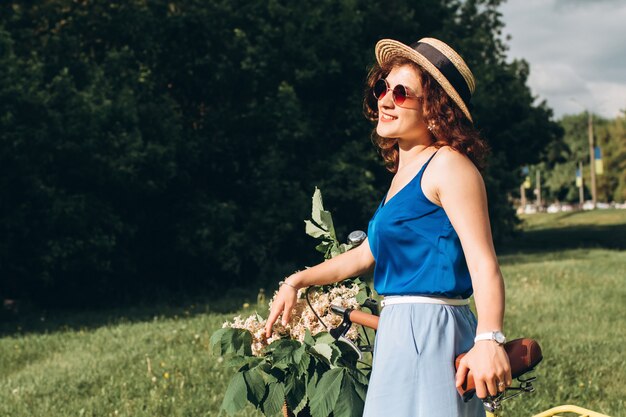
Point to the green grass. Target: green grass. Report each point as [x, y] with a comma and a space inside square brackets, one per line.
[565, 279]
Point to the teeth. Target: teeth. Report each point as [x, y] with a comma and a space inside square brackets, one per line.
[387, 117]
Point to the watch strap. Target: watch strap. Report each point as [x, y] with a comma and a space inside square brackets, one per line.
[491, 336]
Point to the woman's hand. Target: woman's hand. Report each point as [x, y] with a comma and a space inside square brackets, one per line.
[490, 368]
[283, 303]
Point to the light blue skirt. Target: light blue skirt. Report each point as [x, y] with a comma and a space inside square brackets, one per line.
[413, 371]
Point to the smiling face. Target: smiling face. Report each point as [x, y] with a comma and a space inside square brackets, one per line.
[402, 122]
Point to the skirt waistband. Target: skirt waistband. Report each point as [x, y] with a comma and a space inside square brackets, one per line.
[407, 299]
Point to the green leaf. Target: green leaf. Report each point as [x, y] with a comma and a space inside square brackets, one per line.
[364, 290]
[236, 394]
[275, 399]
[301, 406]
[349, 403]
[308, 339]
[244, 362]
[295, 390]
[326, 393]
[334, 251]
[230, 340]
[322, 351]
[361, 389]
[348, 355]
[287, 354]
[313, 230]
[326, 221]
[256, 386]
[358, 376]
[326, 352]
[268, 378]
[237, 362]
[303, 365]
[344, 248]
[317, 206]
[323, 247]
[312, 383]
[324, 337]
[337, 353]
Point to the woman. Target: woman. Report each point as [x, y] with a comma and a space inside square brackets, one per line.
[429, 241]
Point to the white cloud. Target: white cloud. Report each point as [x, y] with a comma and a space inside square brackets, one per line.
[575, 49]
[609, 98]
[543, 79]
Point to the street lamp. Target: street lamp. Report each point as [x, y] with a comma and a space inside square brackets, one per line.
[592, 167]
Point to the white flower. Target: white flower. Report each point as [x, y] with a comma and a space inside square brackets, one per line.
[302, 317]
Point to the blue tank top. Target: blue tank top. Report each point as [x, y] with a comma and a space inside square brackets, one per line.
[417, 251]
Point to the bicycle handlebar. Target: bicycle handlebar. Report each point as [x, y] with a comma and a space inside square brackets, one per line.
[524, 354]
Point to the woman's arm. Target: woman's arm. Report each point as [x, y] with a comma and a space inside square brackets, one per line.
[460, 190]
[349, 264]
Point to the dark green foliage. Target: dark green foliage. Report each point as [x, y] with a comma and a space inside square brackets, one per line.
[561, 160]
[173, 145]
[320, 374]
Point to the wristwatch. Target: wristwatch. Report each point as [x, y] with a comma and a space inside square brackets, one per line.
[497, 336]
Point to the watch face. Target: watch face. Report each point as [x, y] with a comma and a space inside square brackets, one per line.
[499, 337]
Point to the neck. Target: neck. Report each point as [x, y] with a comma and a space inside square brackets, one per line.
[409, 152]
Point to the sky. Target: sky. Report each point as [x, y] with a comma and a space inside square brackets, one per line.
[576, 50]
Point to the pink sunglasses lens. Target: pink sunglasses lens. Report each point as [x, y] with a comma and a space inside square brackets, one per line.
[380, 89]
[399, 94]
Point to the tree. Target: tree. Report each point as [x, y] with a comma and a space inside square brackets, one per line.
[561, 160]
[173, 145]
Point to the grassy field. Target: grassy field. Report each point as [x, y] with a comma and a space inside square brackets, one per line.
[565, 279]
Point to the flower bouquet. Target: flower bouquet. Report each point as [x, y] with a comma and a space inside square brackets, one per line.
[301, 369]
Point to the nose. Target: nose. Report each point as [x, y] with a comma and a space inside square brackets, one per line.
[387, 100]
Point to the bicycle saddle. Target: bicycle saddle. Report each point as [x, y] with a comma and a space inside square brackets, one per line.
[524, 356]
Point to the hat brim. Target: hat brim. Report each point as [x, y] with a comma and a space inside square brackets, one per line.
[387, 49]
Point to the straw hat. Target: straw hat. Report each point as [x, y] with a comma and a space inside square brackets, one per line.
[439, 60]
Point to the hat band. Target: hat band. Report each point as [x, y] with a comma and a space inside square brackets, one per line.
[447, 68]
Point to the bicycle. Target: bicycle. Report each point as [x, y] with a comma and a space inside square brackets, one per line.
[524, 355]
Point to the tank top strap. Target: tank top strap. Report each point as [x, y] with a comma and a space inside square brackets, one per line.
[423, 168]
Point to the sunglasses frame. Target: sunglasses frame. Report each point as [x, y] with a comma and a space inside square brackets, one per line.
[398, 97]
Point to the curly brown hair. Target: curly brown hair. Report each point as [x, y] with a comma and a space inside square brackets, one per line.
[448, 124]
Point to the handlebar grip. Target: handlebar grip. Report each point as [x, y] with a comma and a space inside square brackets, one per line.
[524, 355]
[364, 319]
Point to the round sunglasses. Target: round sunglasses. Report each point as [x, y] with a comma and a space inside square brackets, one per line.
[399, 93]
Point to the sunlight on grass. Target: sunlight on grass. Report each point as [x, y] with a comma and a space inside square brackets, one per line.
[571, 300]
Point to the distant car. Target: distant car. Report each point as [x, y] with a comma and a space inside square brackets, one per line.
[530, 209]
[554, 208]
[603, 206]
[588, 205]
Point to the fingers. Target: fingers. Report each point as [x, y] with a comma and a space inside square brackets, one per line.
[461, 373]
[271, 319]
[486, 387]
[490, 381]
[505, 379]
[481, 389]
[492, 386]
[286, 315]
[490, 368]
[282, 306]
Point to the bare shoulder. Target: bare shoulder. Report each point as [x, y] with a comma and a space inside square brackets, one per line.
[451, 171]
[451, 161]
